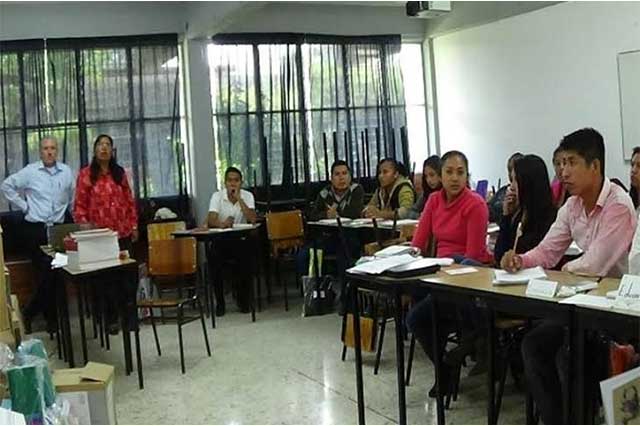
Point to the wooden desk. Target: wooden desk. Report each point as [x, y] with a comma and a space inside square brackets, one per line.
[209, 237]
[443, 287]
[82, 278]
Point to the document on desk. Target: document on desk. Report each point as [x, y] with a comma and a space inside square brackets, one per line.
[389, 223]
[378, 266]
[503, 277]
[620, 398]
[461, 271]
[394, 250]
[59, 261]
[588, 301]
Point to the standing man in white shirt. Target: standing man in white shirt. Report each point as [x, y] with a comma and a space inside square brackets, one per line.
[232, 205]
[43, 191]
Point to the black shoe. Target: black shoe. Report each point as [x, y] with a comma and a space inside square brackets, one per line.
[113, 328]
[220, 310]
[445, 374]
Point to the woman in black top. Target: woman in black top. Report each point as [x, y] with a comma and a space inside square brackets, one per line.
[530, 223]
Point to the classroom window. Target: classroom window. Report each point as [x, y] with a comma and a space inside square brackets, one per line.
[307, 100]
[77, 89]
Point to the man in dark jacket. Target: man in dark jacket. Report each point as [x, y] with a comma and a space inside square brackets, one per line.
[340, 198]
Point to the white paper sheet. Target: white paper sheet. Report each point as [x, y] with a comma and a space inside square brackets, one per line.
[8, 417]
[588, 300]
[59, 261]
[394, 250]
[378, 266]
[520, 277]
[461, 271]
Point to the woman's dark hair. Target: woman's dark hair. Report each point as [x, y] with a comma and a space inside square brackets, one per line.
[232, 169]
[534, 193]
[117, 172]
[391, 161]
[511, 161]
[633, 191]
[452, 154]
[432, 162]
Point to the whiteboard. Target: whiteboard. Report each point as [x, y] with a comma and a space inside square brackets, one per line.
[629, 86]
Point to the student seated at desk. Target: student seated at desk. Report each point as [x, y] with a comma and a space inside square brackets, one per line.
[104, 198]
[431, 183]
[457, 218]
[340, 198]
[558, 190]
[232, 205]
[599, 216]
[529, 211]
[395, 194]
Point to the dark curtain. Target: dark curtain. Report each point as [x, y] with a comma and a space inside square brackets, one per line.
[315, 99]
[76, 89]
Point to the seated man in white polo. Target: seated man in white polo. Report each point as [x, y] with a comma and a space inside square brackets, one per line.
[232, 205]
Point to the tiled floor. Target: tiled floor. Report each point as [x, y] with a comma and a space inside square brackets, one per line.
[282, 369]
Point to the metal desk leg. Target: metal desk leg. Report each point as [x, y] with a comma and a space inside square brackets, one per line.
[67, 326]
[437, 360]
[491, 383]
[358, 351]
[402, 404]
[578, 350]
[567, 394]
[139, 358]
[212, 272]
[83, 334]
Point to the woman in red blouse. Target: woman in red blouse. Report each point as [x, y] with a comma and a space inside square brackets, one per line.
[457, 219]
[103, 195]
[104, 199]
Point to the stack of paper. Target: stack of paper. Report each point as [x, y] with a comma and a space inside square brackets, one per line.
[379, 265]
[520, 277]
[394, 251]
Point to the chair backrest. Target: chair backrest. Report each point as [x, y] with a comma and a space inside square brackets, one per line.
[164, 230]
[407, 231]
[285, 225]
[172, 257]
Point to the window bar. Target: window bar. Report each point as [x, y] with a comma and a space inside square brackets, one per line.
[326, 156]
[132, 125]
[335, 146]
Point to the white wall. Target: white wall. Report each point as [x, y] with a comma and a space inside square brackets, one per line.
[522, 83]
[25, 20]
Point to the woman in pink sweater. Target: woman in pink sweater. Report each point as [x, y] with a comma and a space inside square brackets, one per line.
[457, 219]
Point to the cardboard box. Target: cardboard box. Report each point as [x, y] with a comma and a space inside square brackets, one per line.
[89, 390]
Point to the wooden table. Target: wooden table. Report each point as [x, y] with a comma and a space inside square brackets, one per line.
[444, 287]
[82, 278]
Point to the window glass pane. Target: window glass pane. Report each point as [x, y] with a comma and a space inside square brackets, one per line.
[156, 67]
[162, 168]
[325, 74]
[10, 112]
[105, 84]
[278, 77]
[232, 78]
[61, 100]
